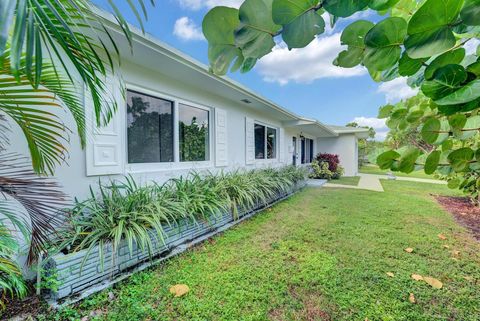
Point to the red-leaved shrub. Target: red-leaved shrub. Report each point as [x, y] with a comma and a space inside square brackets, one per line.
[332, 160]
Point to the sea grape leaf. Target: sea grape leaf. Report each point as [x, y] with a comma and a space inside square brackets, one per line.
[408, 159]
[460, 159]
[381, 5]
[344, 8]
[354, 37]
[430, 130]
[465, 94]
[470, 13]
[446, 80]
[255, 34]
[301, 21]
[386, 159]
[431, 164]
[450, 57]
[429, 28]
[383, 43]
[408, 66]
[219, 27]
[385, 111]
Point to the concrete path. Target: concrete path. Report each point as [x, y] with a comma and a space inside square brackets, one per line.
[371, 182]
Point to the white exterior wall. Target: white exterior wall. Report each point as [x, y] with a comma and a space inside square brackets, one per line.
[346, 147]
[73, 175]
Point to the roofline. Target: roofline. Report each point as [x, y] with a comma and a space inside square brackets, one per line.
[148, 40]
[157, 45]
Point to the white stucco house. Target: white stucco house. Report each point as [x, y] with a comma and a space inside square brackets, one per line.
[169, 94]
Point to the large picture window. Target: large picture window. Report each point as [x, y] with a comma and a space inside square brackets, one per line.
[149, 129]
[193, 134]
[265, 142]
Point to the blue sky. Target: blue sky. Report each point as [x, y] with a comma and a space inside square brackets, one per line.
[303, 80]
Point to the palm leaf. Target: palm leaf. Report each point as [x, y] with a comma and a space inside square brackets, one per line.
[40, 197]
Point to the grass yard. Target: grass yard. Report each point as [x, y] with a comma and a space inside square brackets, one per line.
[373, 169]
[321, 255]
[353, 181]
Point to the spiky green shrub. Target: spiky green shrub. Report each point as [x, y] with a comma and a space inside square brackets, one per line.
[11, 280]
[129, 212]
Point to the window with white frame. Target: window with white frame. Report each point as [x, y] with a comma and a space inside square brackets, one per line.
[307, 150]
[149, 129]
[265, 142]
[193, 134]
[152, 135]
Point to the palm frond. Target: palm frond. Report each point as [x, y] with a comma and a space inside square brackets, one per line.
[40, 197]
[11, 280]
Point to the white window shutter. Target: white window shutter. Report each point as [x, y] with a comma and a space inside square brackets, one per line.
[221, 137]
[249, 141]
[282, 146]
[105, 151]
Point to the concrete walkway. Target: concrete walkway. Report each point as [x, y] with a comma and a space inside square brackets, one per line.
[371, 182]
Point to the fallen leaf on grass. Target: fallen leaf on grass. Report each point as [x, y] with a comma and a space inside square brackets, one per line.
[409, 250]
[417, 277]
[411, 298]
[468, 278]
[442, 237]
[390, 274]
[434, 283]
[446, 246]
[179, 290]
[456, 253]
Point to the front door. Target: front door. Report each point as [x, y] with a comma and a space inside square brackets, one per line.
[294, 143]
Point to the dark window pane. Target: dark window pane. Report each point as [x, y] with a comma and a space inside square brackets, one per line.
[303, 150]
[194, 134]
[259, 141]
[271, 143]
[149, 129]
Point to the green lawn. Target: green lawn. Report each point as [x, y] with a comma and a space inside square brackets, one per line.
[346, 181]
[373, 169]
[321, 255]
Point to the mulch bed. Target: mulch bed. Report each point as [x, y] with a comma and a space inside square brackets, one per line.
[464, 212]
[17, 309]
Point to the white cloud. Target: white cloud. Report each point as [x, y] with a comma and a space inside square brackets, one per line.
[307, 64]
[186, 29]
[471, 46]
[201, 4]
[378, 124]
[397, 90]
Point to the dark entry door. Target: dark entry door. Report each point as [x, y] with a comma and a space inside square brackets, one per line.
[294, 142]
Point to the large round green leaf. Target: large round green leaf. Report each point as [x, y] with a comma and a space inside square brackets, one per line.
[301, 21]
[408, 159]
[450, 57]
[470, 128]
[434, 14]
[219, 27]
[344, 8]
[431, 164]
[466, 94]
[383, 43]
[429, 28]
[431, 130]
[349, 58]
[454, 183]
[255, 35]
[353, 36]
[385, 111]
[381, 5]
[386, 159]
[408, 66]
[470, 13]
[430, 43]
[301, 31]
[460, 159]
[446, 80]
